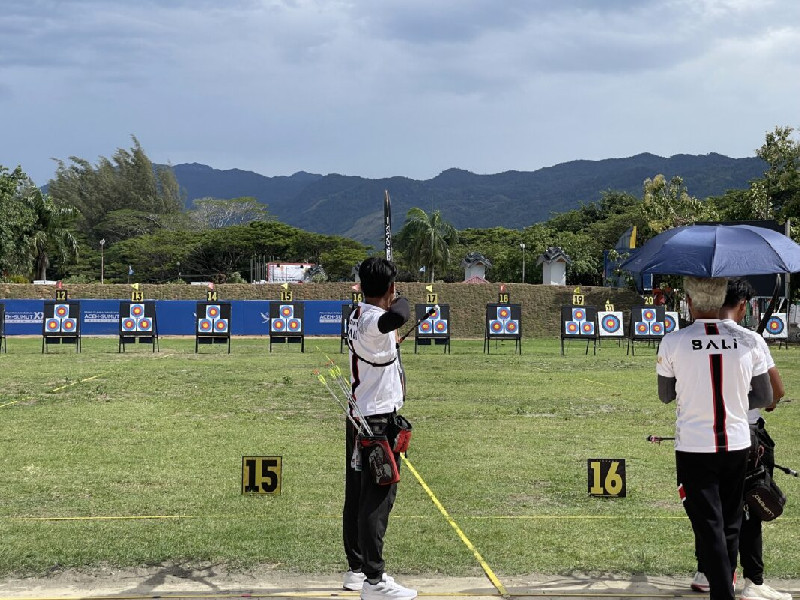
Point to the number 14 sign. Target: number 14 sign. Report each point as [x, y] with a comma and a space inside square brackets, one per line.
[607, 477]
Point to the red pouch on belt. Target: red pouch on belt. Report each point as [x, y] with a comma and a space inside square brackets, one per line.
[380, 459]
[403, 437]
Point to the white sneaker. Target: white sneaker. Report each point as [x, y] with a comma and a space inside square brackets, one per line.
[386, 588]
[752, 591]
[700, 582]
[353, 581]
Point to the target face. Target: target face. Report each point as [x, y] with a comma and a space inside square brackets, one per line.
[776, 327]
[578, 314]
[610, 323]
[587, 328]
[287, 311]
[221, 325]
[278, 325]
[657, 328]
[61, 310]
[53, 324]
[294, 324]
[670, 322]
[571, 328]
[503, 312]
[145, 324]
[648, 315]
[425, 326]
[137, 310]
[512, 326]
[440, 326]
[128, 324]
[204, 325]
[642, 328]
[496, 326]
[212, 311]
[434, 314]
[69, 324]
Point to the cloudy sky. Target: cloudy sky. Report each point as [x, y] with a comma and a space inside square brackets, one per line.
[379, 88]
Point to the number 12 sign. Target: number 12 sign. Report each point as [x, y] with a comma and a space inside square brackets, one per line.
[607, 477]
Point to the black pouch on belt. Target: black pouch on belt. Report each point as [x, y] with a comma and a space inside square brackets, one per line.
[402, 433]
[380, 458]
[762, 495]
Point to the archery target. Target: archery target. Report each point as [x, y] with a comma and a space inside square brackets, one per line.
[610, 323]
[137, 310]
[294, 324]
[277, 325]
[204, 325]
[587, 328]
[511, 326]
[128, 324]
[572, 328]
[642, 328]
[433, 325]
[496, 326]
[425, 326]
[144, 324]
[61, 310]
[503, 320]
[648, 315]
[69, 325]
[671, 322]
[212, 311]
[53, 324]
[503, 313]
[657, 328]
[287, 311]
[440, 326]
[578, 321]
[647, 322]
[776, 327]
[578, 314]
[221, 325]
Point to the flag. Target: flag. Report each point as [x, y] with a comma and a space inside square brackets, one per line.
[285, 286]
[130, 269]
[135, 286]
[422, 269]
[429, 288]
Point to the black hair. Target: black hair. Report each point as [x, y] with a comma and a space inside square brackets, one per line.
[738, 289]
[376, 275]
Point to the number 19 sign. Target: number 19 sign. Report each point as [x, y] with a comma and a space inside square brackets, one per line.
[607, 477]
[261, 474]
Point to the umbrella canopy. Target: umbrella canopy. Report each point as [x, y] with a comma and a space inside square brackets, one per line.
[716, 251]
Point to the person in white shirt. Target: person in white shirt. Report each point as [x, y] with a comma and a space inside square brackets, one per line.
[378, 386]
[716, 371]
[751, 556]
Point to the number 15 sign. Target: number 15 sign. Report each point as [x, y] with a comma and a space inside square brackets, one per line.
[607, 477]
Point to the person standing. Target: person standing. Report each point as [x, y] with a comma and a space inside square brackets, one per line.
[751, 556]
[377, 382]
[715, 371]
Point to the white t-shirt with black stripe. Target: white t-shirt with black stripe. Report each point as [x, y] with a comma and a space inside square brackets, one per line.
[712, 362]
[377, 389]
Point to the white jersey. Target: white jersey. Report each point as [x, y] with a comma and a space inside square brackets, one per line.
[377, 389]
[712, 362]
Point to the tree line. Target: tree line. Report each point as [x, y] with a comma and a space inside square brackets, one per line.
[129, 215]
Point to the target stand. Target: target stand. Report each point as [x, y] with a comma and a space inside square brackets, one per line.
[579, 323]
[213, 324]
[61, 324]
[137, 324]
[3, 343]
[347, 309]
[647, 324]
[777, 330]
[503, 322]
[434, 330]
[286, 324]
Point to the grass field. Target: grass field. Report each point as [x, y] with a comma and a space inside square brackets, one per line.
[90, 442]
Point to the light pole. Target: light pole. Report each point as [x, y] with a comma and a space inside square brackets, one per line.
[102, 260]
[522, 245]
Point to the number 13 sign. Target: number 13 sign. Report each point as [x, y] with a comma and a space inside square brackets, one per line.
[607, 477]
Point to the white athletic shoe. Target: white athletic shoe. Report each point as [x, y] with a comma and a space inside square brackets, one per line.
[752, 591]
[353, 581]
[386, 589]
[700, 583]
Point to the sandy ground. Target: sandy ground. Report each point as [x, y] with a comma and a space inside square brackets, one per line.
[213, 581]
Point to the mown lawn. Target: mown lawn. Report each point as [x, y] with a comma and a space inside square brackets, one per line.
[92, 442]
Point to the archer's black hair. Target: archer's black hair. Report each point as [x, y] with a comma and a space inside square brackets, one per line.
[738, 289]
[376, 275]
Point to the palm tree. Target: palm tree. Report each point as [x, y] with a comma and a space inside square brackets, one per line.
[426, 239]
[48, 232]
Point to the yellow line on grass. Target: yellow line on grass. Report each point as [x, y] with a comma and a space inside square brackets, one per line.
[63, 387]
[484, 565]
[9, 403]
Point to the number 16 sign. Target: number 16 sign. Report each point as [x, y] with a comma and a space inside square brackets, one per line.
[607, 477]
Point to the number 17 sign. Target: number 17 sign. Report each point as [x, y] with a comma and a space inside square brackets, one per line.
[607, 477]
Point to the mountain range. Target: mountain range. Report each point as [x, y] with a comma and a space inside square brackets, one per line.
[352, 206]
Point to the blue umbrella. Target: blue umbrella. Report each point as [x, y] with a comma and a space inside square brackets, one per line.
[716, 251]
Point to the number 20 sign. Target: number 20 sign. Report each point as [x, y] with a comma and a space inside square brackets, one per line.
[607, 477]
[261, 474]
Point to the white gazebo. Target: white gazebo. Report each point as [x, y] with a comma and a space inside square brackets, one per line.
[475, 265]
[554, 269]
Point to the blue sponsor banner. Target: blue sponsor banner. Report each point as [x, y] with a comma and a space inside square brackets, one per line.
[174, 317]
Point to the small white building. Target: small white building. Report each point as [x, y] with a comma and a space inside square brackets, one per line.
[475, 265]
[554, 269]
